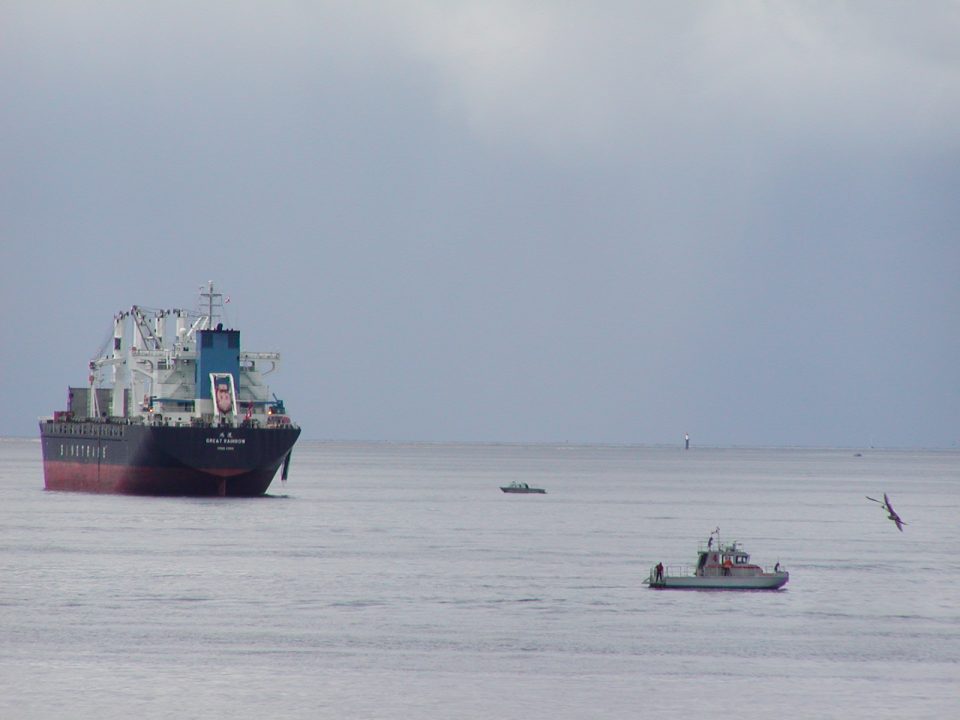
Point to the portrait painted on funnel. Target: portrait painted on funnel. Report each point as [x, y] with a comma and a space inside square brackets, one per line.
[224, 399]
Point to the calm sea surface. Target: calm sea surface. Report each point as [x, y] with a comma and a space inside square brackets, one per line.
[397, 581]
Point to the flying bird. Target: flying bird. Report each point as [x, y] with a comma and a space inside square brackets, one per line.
[891, 513]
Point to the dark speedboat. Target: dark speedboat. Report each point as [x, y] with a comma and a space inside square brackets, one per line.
[522, 488]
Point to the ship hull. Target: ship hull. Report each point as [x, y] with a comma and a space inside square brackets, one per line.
[136, 459]
[766, 581]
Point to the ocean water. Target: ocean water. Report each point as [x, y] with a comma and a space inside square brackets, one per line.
[397, 581]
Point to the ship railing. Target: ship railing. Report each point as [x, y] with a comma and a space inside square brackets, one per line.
[740, 570]
[671, 571]
[729, 548]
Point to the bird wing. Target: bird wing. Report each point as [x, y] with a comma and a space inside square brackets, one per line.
[893, 513]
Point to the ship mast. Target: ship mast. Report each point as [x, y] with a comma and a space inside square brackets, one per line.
[214, 300]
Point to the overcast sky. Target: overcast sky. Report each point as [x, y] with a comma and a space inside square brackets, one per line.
[501, 221]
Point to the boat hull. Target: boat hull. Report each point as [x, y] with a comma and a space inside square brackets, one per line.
[766, 581]
[524, 491]
[138, 459]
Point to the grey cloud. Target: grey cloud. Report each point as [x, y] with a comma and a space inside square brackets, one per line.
[507, 221]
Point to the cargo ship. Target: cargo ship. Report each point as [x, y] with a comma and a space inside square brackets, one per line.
[172, 406]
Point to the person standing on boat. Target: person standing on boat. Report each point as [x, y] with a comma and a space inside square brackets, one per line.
[659, 572]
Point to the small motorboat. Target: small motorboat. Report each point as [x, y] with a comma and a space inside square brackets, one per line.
[516, 487]
[719, 567]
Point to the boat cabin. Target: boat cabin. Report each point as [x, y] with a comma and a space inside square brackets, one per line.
[725, 560]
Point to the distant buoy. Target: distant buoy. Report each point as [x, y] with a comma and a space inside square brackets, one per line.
[686, 441]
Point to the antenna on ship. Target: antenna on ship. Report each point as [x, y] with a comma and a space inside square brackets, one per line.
[214, 299]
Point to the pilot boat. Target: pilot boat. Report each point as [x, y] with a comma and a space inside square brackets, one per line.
[719, 567]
